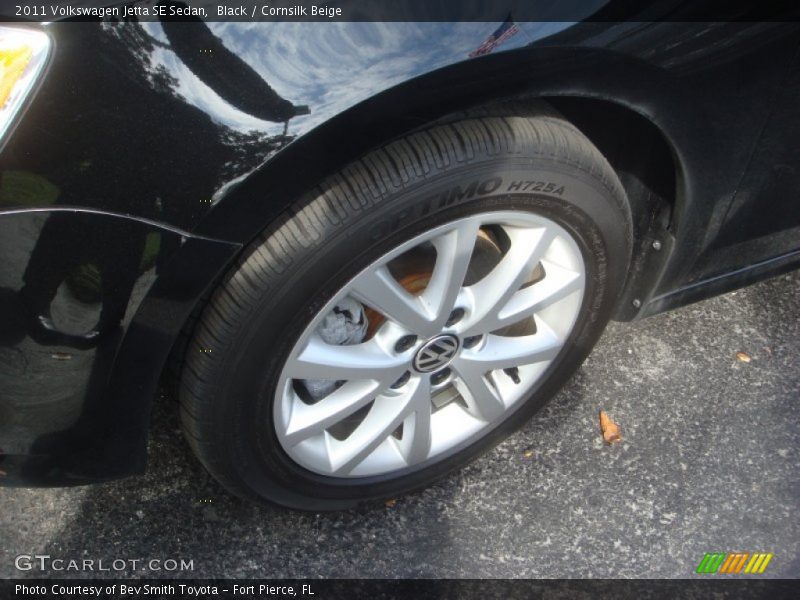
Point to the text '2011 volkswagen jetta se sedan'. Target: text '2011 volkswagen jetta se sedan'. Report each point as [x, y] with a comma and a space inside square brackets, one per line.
[363, 252]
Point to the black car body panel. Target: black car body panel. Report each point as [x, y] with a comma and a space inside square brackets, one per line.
[72, 409]
[152, 153]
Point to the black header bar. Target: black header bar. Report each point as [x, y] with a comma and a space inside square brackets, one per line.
[401, 10]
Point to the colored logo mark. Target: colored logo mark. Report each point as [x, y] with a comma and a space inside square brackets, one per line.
[734, 562]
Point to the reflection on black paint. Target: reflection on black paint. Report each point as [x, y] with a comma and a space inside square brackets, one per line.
[234, 80]
[111, 181]
[95, 268]
[67, 244]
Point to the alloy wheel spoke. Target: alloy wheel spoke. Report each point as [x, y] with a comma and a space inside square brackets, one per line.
[416, 442]
[378, 289]
[493, 292]
[557, 284]
[308, 420]
[453, 254]
[501, 352]
[384, 417]
[481, 397]
[368, 360]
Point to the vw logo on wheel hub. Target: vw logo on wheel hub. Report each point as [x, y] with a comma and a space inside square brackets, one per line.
[436, 353]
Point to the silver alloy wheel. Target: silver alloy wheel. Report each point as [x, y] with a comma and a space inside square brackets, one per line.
[488, 341]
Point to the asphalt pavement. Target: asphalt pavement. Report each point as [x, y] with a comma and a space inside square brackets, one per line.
[709, 462]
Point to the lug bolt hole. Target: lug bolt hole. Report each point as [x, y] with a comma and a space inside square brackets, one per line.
[472, 341]
[455, 317]
[405, 342]
[402, 381]
[440, 376]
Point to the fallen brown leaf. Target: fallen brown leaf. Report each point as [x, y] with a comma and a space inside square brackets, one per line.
[609, 428]
[743, 357]
[390, 503]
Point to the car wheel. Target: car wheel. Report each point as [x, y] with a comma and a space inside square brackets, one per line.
[407, 314]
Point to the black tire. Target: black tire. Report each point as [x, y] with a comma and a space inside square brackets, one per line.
[253, 318]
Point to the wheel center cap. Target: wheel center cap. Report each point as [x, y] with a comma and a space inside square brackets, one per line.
[436, 353]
